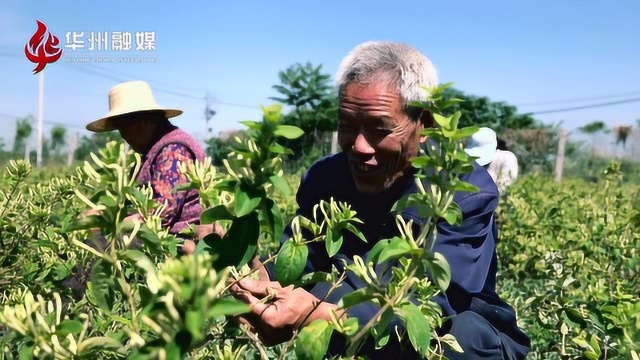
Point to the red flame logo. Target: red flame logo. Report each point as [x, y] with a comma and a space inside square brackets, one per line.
[42, 48]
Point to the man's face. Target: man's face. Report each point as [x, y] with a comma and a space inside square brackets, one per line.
[378, 137]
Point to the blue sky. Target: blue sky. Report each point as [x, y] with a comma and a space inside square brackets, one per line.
[520, 51]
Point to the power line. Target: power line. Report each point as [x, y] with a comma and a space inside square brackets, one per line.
[584, 107]
[582, 99]
[100, 72]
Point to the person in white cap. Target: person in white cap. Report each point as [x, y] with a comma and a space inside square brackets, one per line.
[145, 126]
[502, 165]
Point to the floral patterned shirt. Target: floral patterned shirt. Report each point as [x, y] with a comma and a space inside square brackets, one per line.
[166, 175]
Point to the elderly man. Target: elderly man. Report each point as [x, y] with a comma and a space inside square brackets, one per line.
[379, 135]
[145, 126]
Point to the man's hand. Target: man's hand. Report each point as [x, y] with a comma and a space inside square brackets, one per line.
[134, 217]
[276, 312]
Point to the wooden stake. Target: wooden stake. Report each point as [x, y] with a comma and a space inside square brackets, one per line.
[560, 157]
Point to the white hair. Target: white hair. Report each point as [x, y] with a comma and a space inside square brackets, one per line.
[396, 64]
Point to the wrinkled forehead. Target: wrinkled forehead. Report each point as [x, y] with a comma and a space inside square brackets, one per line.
[376, 105]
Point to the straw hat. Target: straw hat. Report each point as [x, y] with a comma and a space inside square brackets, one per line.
[483, 145]
[128, 98]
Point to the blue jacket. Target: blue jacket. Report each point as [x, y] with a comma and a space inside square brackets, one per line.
[470, 248]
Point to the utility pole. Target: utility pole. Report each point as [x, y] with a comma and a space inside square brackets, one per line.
[40, 119]
[208, 114]
[72, 149]
[560, 156]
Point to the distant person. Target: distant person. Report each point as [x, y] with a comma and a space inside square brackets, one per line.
[502, 165]
[483, 144]
[145, 126]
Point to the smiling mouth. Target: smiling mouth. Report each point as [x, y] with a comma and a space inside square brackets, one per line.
[365, 169]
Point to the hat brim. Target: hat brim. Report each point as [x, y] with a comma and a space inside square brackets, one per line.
[484, 154]
[106, 124]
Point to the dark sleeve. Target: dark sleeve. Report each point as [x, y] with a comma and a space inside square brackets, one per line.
[470, 251]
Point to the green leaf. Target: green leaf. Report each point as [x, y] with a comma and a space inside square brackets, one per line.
[351, 228]
[350, 326]
[381, 330]
[457, 185]
[465, 132]
[281, 184]
[313, 341]
[194, 321]
[374, 253]
[452, 342]
[441, 120]
[238, 246]
[288, 132]
[214, 214]
[68, 327]
[254, 125]
[573, 318]
[454, 120]
[102, 285]
[418, 328]
[452, 215]
[173, 351]
[397, 247]
[333, 242]
[356, 297]
[272, 113]
[26, 352]
[279, 149]
[244, 204]
[440, 271]
[108, 201]
[313, 278]
[140, 260]
[274, 217]
[228, 307]
[290, 262]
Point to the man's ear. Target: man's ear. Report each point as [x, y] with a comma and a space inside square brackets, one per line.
[427, 121]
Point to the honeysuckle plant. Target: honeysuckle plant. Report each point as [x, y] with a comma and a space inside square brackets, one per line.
[75, 285]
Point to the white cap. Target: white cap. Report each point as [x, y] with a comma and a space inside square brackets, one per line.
[483, 145]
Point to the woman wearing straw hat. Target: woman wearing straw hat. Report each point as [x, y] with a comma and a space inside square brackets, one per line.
[145, 126]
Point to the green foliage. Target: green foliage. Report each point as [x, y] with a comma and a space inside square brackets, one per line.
[570, 251]
[314, 103]
[95, 142]
[481, 111]
[568, 256]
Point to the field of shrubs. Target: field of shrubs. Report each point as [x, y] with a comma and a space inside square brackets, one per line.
[569, 260]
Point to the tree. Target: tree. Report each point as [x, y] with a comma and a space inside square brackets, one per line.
[88, 145]
[593, 128]
[314, 103]
[218, 148]
[23, 131]
[481, 111]
[57, 138]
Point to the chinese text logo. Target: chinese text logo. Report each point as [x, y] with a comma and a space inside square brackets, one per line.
[42, 48]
